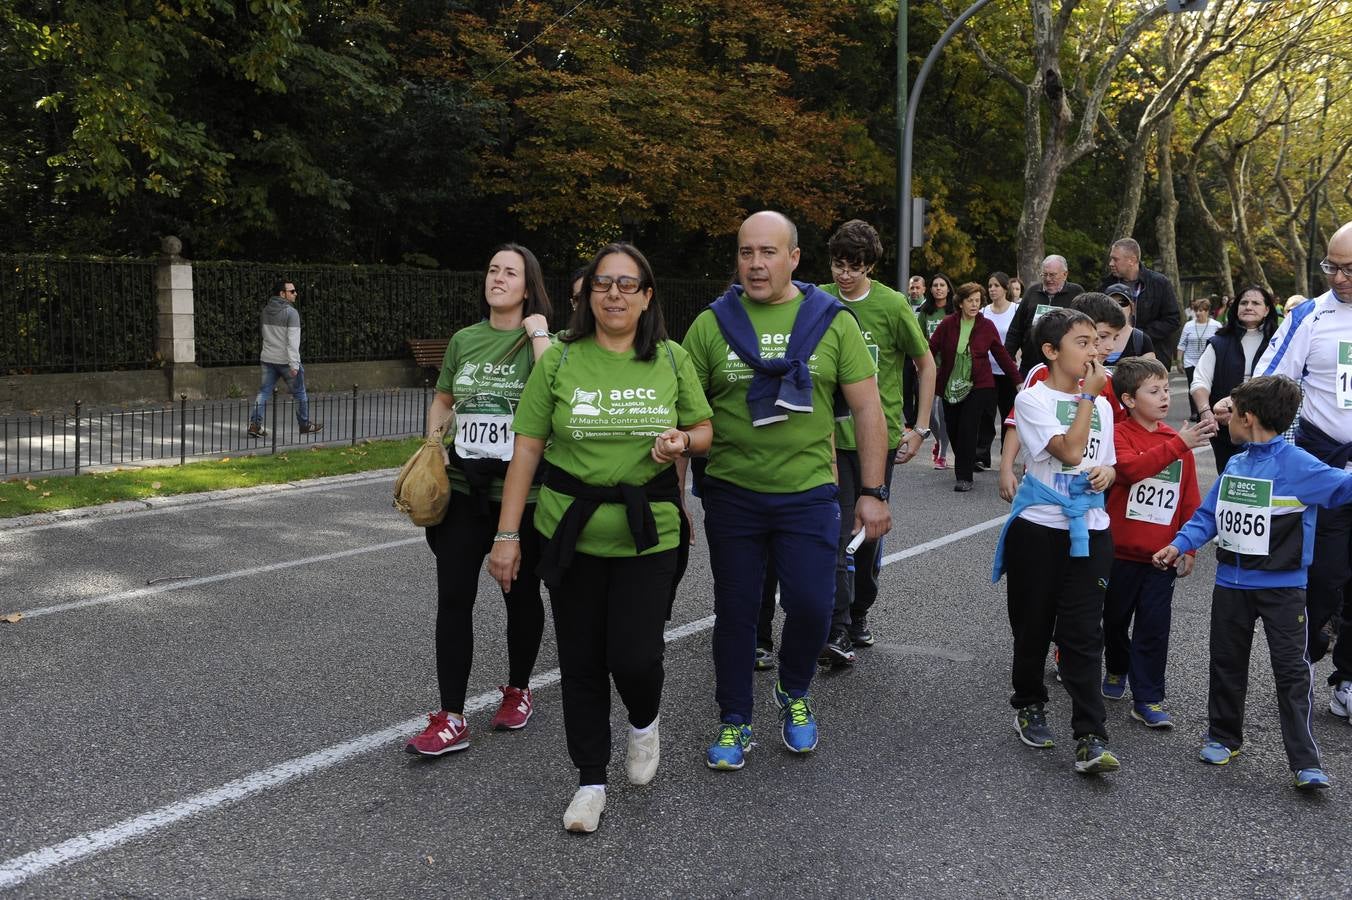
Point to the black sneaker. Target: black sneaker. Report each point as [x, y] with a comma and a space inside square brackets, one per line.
[1031, 724]
[1092, 756]
[860, 635]
[765, 658]
[838, 651]
[256, 430]
[311, 427]
[981, 465]
[962, 487]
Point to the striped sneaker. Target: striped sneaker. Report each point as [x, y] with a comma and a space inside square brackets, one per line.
[443, 735]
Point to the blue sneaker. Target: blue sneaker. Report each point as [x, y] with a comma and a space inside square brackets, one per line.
[1312, 780]
[1152, 715]
[1215, 753]
[800, 726]
[1114, 686]
[728, 752]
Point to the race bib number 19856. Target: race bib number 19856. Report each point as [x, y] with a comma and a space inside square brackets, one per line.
[1244, 514]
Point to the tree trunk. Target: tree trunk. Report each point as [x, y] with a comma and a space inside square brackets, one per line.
[1213, 231]
[1233, 167]
[1166, 224]
[1135, 185]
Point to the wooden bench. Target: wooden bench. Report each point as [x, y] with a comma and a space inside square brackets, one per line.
[428, 353]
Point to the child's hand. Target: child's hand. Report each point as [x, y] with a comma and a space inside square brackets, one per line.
[1101, 477]
[1164, 558]
[1009, 484]
[1095, 377]
[1185, 564]
[1196, 434]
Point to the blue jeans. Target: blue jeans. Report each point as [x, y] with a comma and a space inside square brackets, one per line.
[802, 530]
[1137, 611]
[271, 372]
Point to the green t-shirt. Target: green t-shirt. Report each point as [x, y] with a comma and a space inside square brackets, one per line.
[892, 334]
[929, 322]
[602, 410]
[486, 379]
[783, 457]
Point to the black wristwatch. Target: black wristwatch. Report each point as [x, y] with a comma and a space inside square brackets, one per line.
[881, 492]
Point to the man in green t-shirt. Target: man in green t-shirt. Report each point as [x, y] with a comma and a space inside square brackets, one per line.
[893, 336]
[769, 486]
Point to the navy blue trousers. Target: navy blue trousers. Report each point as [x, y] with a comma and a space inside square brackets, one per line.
[1138, 591]
[743, 526]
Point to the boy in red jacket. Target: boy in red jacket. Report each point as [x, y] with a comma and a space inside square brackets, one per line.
[1154, 494]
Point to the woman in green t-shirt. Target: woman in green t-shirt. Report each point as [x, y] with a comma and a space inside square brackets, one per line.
[620, 404]
[482, 377]
[937, 306]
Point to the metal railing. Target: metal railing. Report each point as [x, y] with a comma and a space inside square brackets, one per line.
[184, 430]
[69, 315]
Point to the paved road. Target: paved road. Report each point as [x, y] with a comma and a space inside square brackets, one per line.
[234, 727]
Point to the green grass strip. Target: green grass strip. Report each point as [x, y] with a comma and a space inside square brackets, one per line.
[21, 496]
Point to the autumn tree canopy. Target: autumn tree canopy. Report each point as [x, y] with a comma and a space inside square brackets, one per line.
[426, 131]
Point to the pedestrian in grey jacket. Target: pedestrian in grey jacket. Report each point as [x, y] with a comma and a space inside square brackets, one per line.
[280, 358]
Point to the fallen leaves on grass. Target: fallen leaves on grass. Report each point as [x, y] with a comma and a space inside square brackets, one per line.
[156, 485]
[29, 486]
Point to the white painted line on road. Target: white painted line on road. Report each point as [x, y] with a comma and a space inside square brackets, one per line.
[151, 590]
[21, 868]
[942, 541]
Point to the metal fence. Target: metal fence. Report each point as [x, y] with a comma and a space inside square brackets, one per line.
[69, 315]
[183, 430]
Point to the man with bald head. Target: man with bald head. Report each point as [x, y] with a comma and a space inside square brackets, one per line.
[1054, 289]
[776, 359]
[1313, 345]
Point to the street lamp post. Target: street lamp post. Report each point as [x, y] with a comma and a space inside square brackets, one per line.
[908, 133]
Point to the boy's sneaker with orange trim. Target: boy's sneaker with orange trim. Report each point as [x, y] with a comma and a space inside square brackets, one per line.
[442, 735]
[515, 709]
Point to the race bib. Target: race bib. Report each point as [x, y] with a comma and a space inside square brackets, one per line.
[1344, 382]
[1065, 414]
[1155, 499]
[1041, 310]
[1244, 515]
[483, 428]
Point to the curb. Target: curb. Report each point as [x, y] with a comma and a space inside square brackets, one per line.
[150, 504]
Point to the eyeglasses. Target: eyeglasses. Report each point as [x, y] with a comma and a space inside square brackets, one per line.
[627, 284]
[1331, 269]
[843, 268]
[1046, 274]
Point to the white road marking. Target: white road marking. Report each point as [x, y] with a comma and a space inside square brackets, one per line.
[21, 868]
[179, 585]
[941, 541]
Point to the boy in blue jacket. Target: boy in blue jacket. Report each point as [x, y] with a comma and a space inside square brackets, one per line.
[1262, 513]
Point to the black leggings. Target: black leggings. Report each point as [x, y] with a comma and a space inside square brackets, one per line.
[964, 423]
[609, 613]
[460, 543]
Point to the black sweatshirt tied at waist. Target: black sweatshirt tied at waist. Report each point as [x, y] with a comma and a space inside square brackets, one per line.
[557, 554]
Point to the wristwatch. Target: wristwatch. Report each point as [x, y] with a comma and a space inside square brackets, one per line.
[881, 492]
[539, 333]
[924, 433]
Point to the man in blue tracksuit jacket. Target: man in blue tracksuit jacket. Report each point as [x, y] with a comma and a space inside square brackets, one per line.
[1262, 513]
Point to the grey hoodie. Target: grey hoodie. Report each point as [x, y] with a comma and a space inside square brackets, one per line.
[281, 334]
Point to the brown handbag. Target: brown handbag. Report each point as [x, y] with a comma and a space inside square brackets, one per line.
[422, 491]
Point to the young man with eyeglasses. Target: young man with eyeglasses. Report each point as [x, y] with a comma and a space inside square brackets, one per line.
[280, 358]
[1313, 345]
[893, 336]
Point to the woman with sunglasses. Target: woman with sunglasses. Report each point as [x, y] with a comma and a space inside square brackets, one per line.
[616, 404]
[1130, 341]
[482, 376]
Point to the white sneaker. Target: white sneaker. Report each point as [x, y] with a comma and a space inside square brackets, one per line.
[642, 755]
[584, 813]
[1340, 700]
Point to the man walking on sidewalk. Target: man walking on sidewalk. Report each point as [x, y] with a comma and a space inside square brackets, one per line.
[280, 358]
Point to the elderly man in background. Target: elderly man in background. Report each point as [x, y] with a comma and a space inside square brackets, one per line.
[1053, 289]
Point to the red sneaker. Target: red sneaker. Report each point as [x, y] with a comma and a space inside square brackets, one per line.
[442, 735]
[515, 710]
